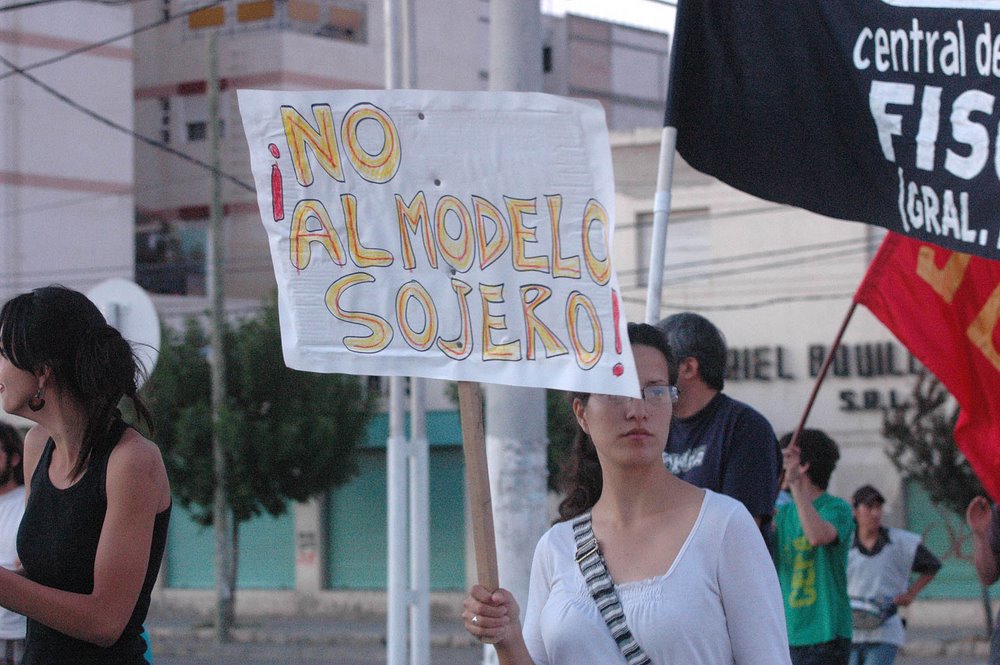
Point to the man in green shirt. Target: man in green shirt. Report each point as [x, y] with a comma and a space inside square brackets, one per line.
[813, 534]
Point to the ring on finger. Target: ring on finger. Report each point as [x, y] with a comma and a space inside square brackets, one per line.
[475, 620]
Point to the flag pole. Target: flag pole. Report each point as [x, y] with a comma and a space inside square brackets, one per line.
[664, 186]
[661, 215]
[822, 372]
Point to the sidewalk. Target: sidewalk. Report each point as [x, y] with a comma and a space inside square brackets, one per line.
[946, 641]
[179, 631]
[179, 628]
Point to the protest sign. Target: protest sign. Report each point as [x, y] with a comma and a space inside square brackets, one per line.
[460, 236]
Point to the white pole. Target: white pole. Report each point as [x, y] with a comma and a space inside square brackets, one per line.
[515, 446]
[661, 215]
[393, 44]
[408, 44]
[420, 567]
[420, 526]
[397, 452]
[515, 417]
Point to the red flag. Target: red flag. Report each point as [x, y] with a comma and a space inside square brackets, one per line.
[944, 307]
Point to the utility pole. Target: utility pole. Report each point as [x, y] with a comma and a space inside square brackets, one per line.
[221, 517]
[407, 478]
[397, 450]
[515, 417]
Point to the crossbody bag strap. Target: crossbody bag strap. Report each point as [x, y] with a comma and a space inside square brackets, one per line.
[602, 589]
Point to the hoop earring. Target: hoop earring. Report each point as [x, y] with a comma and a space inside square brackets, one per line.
[36, 402]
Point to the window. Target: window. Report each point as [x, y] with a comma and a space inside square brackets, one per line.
[170, 256]
[192, 118]
[197, 131]
[164, 119]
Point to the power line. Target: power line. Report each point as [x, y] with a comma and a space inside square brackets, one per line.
[109, 40]
[125, 130]
[14, 69]
[90, 198]
[738, 258]
[778, 300]
[35, 3]
[731, 272]
[683, 216]
[24, 5]
[23, 275]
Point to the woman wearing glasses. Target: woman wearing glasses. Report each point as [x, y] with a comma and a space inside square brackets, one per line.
[642, 567]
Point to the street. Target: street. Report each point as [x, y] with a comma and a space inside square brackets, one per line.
[373, 654]
[311, 639]
[208, 653]
[941, 660]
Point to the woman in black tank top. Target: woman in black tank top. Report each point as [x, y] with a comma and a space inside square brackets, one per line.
[98, 498]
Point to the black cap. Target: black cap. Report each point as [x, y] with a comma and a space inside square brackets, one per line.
[867, 495]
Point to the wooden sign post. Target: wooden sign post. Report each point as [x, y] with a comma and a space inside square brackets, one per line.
[477, 477]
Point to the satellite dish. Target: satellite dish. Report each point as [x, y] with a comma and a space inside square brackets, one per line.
[129, 309]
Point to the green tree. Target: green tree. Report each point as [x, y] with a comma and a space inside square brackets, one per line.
[561, 428]
[288, 435]
[921, 444]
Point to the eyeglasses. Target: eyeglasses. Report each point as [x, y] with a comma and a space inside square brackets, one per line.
[656, 394]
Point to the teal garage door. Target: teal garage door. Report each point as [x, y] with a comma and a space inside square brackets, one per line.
[356, 555]
[948, 537]
[266, 557]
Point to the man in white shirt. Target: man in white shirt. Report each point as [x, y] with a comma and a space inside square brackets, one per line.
[12, 625]
[880, 564]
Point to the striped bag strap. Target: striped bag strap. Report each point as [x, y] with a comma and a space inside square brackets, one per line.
[602, 588]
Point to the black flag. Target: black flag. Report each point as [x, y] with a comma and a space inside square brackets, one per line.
[879, 111]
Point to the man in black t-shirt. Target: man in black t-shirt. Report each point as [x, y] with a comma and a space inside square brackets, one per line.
[717, 442]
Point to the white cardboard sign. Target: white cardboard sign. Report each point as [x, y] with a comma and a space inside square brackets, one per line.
[450, 235]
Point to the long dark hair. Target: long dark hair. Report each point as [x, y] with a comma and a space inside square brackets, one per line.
[10, 441]
[62, 329]
[581, 479]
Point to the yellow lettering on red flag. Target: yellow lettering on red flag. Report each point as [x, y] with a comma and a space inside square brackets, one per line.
[947, 333]
[944, 281]
[982, 329]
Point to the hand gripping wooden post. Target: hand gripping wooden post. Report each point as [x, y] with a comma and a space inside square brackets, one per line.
[477, 476]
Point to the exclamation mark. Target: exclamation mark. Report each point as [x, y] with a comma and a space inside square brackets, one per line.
[277, 193]
[616, 314]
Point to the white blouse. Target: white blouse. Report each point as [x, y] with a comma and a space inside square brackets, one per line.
[719, 604]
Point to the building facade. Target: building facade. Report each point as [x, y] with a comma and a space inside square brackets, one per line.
[322, 45]
[66, 153]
